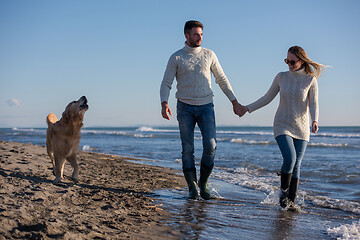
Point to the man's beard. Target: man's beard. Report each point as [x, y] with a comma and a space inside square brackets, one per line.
[194, 44]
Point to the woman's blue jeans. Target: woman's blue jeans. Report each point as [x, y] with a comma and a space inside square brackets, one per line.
[188, 116]
[293, 151]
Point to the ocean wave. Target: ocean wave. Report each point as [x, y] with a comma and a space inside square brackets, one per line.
[270, 184]
[138, 133]
[335, 203]
[109, 132]
[143, 135]
[347, 231]
[270, 133]
[150, 129]
[246, 133]
[245, 177]
[332, 145]
[28, 131]
[251, 142]
[145, 129]
[338, 135]
[311, 144]
[24, 129]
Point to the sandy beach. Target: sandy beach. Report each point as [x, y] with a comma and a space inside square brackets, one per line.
[112, 199]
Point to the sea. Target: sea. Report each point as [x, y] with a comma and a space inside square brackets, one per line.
[245, 181]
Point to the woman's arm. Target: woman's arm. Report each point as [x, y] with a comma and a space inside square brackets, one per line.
[268, 97]
[314, 105]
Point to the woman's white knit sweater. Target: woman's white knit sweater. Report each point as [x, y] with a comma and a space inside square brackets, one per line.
[192, 68]
[298, 95]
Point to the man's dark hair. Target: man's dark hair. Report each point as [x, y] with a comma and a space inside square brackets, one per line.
[191, 24]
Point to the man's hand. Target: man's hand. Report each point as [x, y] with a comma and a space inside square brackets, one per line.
[165, 110]
[239, 109]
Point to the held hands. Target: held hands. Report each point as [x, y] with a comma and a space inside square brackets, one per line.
[314, 127]
[244, 109]
[165, 110]
[239, 109]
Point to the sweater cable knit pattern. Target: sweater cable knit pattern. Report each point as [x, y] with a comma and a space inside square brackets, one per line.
[298, 97]
[192, 68]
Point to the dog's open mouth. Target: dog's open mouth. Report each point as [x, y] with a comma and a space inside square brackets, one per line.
[83, 103]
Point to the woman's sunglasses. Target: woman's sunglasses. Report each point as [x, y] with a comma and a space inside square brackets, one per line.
[290, 62]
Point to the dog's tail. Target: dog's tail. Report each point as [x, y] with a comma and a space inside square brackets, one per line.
[51, 119]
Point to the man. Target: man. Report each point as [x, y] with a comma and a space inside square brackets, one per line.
[192, 66]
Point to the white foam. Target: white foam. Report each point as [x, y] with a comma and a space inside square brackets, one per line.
[245, 177]
[150, 129]
[347, 231]
[143, 135]
[105, 132]
[335, 203]
[214, 191]
[324, 145]
[245, 132]
[86, 148]
[270, 184]
[20, 131]
[272, 198]
[251, 142]
[330, 145]
[145, 129]
[339, 135]
[25, 129]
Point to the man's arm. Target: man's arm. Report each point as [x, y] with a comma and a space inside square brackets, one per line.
[165, 87]
[221, 79]
[225, 86]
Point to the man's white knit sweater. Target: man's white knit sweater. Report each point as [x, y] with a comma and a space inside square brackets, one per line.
[192, 68]
[298, 94]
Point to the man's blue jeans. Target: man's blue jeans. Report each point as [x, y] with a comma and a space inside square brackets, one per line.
[204, 116]
[293, 151]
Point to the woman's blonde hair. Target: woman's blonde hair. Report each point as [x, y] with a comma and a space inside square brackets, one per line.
[311, 68]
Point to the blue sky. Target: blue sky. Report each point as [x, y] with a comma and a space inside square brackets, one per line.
[115, 52]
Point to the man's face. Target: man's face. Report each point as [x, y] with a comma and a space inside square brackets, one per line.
[194, 39]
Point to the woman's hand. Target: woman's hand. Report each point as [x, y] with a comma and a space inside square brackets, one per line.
[314, 127]
[239, 109]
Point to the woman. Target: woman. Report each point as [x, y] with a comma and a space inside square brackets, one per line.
[298, 93]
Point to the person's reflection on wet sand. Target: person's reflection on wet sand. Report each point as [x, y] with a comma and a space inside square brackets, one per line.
[192, 217]
[283, 225]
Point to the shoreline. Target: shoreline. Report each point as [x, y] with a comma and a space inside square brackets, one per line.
[112, 199]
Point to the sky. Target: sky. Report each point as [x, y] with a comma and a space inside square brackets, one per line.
[115, 53]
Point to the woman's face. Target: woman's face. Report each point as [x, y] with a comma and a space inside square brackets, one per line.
[293, 62]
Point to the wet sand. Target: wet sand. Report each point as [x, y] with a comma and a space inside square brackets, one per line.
[112, 200]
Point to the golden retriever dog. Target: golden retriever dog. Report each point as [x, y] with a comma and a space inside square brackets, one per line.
[63, 137]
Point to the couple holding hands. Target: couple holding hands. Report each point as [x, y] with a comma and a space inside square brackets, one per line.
[192, 66]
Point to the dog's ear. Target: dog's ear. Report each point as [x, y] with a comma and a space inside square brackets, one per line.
[66, 114]
[65, 117]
